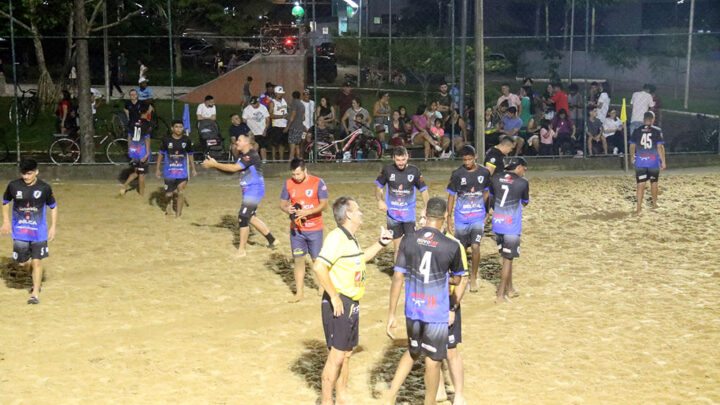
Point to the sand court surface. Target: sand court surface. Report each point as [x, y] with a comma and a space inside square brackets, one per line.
[140, 308]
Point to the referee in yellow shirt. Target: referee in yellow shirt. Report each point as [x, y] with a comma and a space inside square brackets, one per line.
[340, 268]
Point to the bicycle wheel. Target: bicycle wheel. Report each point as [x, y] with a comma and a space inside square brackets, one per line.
[117, 151]
[64, 151]
[266, 47]
[117, 126]
[289, 49]
[31, 111]
[11, 113]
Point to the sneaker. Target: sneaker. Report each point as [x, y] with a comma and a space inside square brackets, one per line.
[438, 148]
[445, 155]
[33, 300]
[615, 150]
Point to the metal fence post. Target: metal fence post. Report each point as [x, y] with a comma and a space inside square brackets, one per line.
[15, 83]
[172, 70]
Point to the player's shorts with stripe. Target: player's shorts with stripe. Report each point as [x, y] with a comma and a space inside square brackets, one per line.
[469, 234]
[643, 174]
[172, 184]
[306, 242]
[508, 245]
[455, 330]
[430, 339]
[341, 332]
[399, 229]
[139, 166]
[25, 250]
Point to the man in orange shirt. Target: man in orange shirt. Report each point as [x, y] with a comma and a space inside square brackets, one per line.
[304, 197]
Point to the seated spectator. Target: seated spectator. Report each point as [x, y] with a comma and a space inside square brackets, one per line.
[456, 128]
[565, 132]
[432, 112]
[559, 98]
[326, 112]
[403, 114]
[512, 99]
[382, 113]
[206, 110]
[534, 126]
[324, 132]
[548, 104]
[596, 143]
[510, 126]
[399, 136]
[348, 119]
[613, 132]
[420, 134]
[547, 138]
[438, 133]
[492, 136]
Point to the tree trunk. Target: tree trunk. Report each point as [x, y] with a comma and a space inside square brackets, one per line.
[87, 131]
[46, 88]
[177, 53]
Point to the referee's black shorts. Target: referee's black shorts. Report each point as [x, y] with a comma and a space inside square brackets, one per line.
[341, 332]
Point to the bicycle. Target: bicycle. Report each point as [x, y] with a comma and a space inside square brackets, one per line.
[28, 106]
[66, 149]
[356, 141]
[287, 46]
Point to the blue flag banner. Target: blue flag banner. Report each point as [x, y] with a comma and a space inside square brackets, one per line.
[186, 120]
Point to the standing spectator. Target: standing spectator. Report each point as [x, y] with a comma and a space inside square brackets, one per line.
[510, 126]
[526, 104]
[64, 113]
[206, 110]
[444, 102]
[309, 105]
[218, 65]
[344, 98]
[122, 67]
[529, 82]
[133, 109]
[233, 62]
[548, 104]
[512, 99]
[348, 118]
[657, 109]
[268, 96]
[279, 116]
[596, 143]
[559, 98]
[547, 138]
[593, 95]
[72, 80]
[575, 105]
[402, 111]
[565, 132]
[144, 92]
[612, 131]
[603, 102]
[142, 71]
[381, 114]
[295, 129]
[455, 95]
[114, 76]
[257, 118]
[641, 102]
[246, 94]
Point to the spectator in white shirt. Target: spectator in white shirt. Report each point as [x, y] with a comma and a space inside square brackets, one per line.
[641, 102]
[309, 110]
[603, 102]
[206, 110]
[612, 131]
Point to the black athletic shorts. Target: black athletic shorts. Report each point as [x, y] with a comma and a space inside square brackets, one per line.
[263, 141]
[469, 234]
[139, 166]
[643, 174]
[508, 245]
[455, 330]
[276, 136]
[247, 210]
[25, 250]
[430, 339]
[172, 184]
[399, 229]
[341, 332]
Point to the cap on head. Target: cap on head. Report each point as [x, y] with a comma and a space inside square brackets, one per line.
[514, 162]
[306, 91]
[142, 80]
[279, 90]
[254, 99]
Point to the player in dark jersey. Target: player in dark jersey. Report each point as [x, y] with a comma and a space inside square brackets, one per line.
[177, 151]
[427, 258]
[648, 158]
[252, 183]
[401, 180]
[467, 195]
[31, 198]
[494, 157]
[139, 150]
[512, 193]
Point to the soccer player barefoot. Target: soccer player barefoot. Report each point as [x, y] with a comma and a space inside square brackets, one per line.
[427, 258]
[30, 196]
[512, 193]
[252, 183]
[177, 153]
[138, 151]
[648, 158]
[304, 198]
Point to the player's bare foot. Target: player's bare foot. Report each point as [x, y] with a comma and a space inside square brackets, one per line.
[296, 298]
[123, 191]
[513, 294]
[240, 253]
[459, 400]
[503, 299]
[441, 395]
[473, 286]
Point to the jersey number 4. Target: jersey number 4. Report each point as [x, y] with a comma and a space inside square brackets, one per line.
[425, 266]
[646, 141]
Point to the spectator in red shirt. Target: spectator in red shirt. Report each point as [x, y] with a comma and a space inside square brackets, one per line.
[560, 98]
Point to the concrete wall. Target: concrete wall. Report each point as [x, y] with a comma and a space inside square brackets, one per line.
[283, 70]
[704, 75]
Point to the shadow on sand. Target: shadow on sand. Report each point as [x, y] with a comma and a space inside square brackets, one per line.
[14, 275]
[284, 267]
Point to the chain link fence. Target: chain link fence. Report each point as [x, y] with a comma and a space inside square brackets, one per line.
[393, 56]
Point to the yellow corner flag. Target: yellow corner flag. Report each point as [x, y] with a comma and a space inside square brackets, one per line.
[623, 113]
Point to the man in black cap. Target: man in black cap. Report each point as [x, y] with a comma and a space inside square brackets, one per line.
[512, 193]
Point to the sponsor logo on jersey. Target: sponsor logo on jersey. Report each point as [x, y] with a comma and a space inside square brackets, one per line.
[392, 177]
[18, 195]
[170, 145]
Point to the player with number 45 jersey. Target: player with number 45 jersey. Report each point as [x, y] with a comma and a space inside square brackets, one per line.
[647, 151]
[511, 192]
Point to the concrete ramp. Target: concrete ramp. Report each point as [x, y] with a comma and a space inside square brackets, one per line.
[283, 70]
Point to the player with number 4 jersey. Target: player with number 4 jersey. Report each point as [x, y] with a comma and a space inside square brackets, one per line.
[511, 192]
[647, 151]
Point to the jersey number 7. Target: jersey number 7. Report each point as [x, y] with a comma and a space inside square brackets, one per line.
[505, 193]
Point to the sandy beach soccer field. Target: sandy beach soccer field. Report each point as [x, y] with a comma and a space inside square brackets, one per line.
[139, 308]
